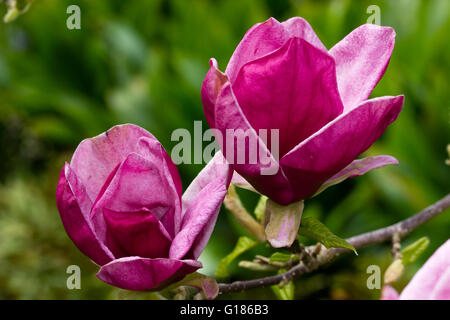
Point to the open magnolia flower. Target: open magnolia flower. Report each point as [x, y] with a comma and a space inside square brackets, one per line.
[121, 203]
[282, 77]
[431, 282]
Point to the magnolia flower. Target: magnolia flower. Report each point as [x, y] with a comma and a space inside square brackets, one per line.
[431, 282]
[282, 77]
[121, 203]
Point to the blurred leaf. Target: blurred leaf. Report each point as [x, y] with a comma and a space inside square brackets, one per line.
[414, 250]
[243, 244]
[282, 257]
[260, 208]
[314, 229]
[286, 291]
[256, 266]
[15, 8]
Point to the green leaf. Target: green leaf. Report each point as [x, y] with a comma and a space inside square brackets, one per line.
[414, 250]
[285, 292]
[15, 8]
[312, 228]
[255, 266]
[282, 257]
[260, 208]
[243, 244]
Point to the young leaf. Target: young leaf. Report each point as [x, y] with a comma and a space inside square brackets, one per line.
[414, 250]
[282, 257]
[15, 8]
[285, 292]
[255, 266]
[260, 208]
[312, 228]
[243, 244]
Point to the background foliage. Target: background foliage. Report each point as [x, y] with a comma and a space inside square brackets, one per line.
[144, 62]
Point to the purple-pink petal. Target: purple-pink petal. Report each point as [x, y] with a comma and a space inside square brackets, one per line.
[432, 281]
[263, 38]
[211, 87]
[136, 233]
[335, 146]
[274, 185]
[240, 182]
[300, 28]
[293, 90]
[152, 150]
[139, 183]
[136, 273]
[389, 293]
[74, 204]
[358, 168]
[441, 290]
[361, 60]
[201, 205]
[95, 158]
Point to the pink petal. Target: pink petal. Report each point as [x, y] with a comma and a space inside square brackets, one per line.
[337, 144]
[201, 205]
[139, 183]
[266, 37]
[97, 157]
[211, 87]
[240, 182]
[266, 176]
[293, 89]
[74, 205]
[300, 28]
[361, 60]
[358, 168]
[135, 273]
[388, 293]
[424, 283]
[441, 290]
[136, 234]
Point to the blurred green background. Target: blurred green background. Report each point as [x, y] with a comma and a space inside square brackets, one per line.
[144, 62]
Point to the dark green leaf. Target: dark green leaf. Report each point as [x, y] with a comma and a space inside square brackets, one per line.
[414, 250]
[285, 292]
[243, 244]
[282, 257]
[314, 229]
[260, 208]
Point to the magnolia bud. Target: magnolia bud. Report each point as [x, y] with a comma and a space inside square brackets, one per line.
[394, 271]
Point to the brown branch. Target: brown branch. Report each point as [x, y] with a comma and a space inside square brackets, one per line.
[401, 228]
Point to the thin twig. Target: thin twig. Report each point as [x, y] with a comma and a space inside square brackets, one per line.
[403, 228]
[396, 245]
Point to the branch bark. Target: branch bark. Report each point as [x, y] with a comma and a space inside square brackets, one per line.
[401, 228]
